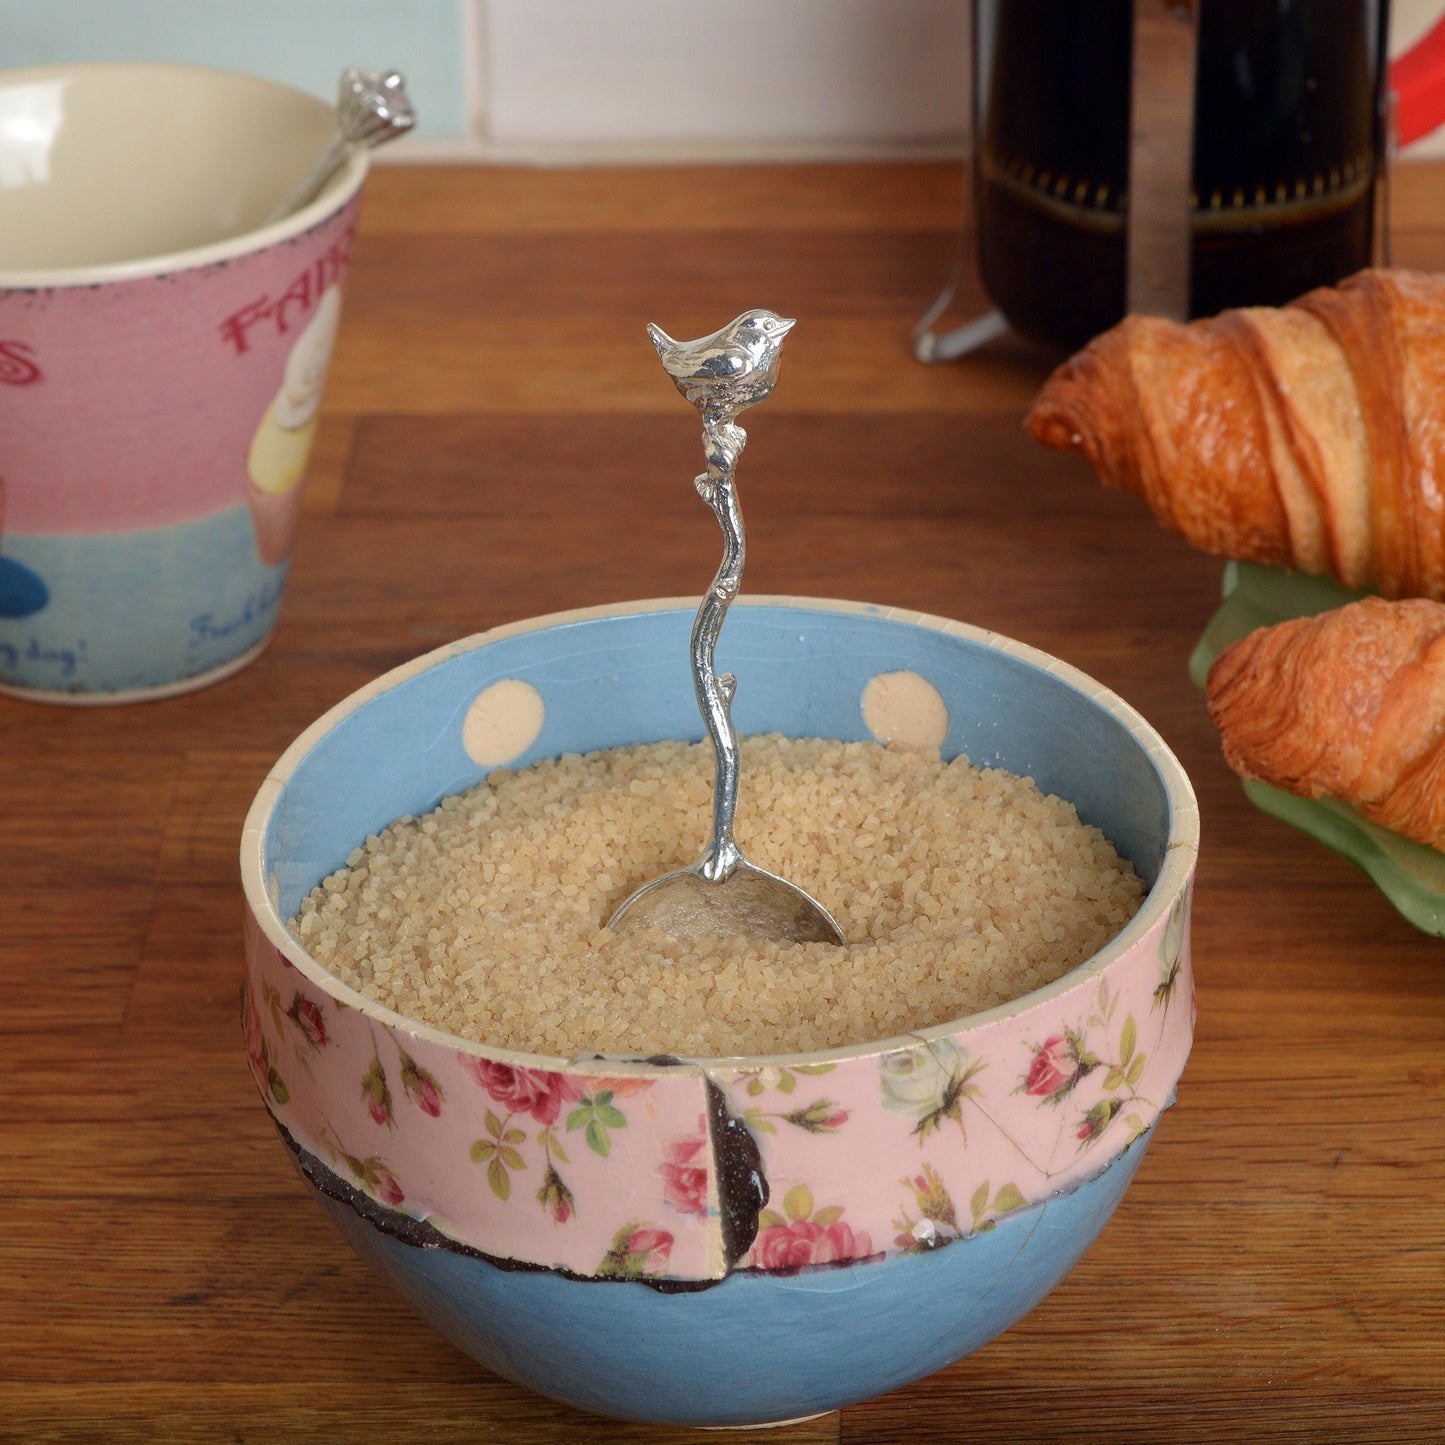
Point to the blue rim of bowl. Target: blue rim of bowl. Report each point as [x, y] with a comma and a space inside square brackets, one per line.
[1409, 874]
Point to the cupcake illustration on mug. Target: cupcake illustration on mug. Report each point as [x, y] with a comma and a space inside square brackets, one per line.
[277, 459]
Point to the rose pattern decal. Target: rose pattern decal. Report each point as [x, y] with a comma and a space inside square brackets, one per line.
[802, 1236]
[554, 1196]
[308, 1017]
[1098, 1118]
[684, 1171]
[369, 1174]
[819, 1116]
[1171, 951]
[638, 1252]
[540, 1095]
[1058, 1065]
[377, 1093]
[301, 1024]
[1065, 1059]
[932, 1082]
[420, 1086]
[258, 1052]
[524, 1091]
[938, 1223]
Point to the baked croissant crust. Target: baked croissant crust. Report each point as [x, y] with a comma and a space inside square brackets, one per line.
[1309, 436]
[1349, 704]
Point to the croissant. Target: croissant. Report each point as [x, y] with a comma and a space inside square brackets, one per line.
[1349, 704]
[1309, 436]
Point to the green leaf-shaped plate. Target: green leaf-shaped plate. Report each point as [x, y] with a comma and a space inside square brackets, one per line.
[1409, 874]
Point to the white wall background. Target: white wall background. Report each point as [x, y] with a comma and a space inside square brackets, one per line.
[756, 76]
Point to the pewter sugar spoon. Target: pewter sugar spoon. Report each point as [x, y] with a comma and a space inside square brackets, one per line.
[722, 893]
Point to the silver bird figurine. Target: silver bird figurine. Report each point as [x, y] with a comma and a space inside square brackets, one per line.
[722, 375]
[732, 369]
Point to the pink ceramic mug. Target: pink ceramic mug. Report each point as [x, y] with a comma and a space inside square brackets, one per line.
[163, 347]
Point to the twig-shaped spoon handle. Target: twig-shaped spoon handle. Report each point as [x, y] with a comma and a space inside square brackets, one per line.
[723, 443]
[372, 107]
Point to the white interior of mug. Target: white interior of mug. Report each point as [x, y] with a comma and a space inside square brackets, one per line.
[110, 167]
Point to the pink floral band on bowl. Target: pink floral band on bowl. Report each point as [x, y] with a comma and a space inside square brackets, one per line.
[569, 1163]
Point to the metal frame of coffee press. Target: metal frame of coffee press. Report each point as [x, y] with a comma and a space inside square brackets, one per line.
[1157, 214]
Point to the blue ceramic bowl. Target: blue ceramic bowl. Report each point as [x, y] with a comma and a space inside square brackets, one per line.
[914, 1197]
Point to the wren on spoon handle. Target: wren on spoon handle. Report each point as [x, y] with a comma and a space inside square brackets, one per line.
[372, 107]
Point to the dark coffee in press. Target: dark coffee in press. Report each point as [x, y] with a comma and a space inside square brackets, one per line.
[1287, 155]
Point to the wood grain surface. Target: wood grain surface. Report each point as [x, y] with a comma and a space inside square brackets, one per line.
[498, 442]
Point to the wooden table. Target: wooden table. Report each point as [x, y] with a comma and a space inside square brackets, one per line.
[498, 442]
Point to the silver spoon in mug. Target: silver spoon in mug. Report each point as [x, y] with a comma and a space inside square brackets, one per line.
[372, 108]
[722, 893]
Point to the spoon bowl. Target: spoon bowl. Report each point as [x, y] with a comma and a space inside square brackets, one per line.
[750, 901]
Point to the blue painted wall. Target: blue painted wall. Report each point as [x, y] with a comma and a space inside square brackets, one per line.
[306, 43]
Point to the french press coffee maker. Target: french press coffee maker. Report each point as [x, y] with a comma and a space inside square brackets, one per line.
[1172, 157]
